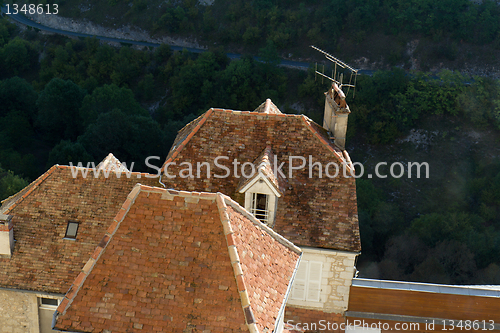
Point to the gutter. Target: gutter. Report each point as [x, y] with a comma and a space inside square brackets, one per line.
[281, 313]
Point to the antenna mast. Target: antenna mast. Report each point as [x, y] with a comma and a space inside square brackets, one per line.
[337, 79]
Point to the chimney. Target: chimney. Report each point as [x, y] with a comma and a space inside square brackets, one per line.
[6, 235]
[336, 114]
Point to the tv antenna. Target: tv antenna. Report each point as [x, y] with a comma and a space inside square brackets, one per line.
[338, 78]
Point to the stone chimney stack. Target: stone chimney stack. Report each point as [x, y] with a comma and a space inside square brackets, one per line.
[6, 235]
[336, 114]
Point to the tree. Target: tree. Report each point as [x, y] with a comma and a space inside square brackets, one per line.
[132, 138]
[162, 53]
[269, 53]
[146, 87]
[16, 56]
[18, 132]
[17, 94]
[10, 183]
[102, 63]
[106, 98]
[66, 151]
[58, 115]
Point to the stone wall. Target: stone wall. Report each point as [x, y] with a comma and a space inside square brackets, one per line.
[18, 312]
[336, 278]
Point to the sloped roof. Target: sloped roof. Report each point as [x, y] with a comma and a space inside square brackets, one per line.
[316, 212]
[111, 163]
[264, 165]
[172, 260]
[42, 258]
[268, 107]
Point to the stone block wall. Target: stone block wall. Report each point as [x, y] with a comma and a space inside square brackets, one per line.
[336, 278]
[18, 312]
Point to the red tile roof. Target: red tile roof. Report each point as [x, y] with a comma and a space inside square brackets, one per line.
[173, 261]
[42, 258]
[316, 212]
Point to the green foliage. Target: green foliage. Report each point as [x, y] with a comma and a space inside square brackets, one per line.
[433, 228]
[18, 132]
[236, 85]
[17, 56]
[6, 29]
[378, 219]
[23, 165]
[17, 94]
[106, 98]
[66, 151]
[145, 89]
[269, 54]
[389, 103]
[130, 137]
[59, 105]
[162, 53]
[10, 183]
[480, 102]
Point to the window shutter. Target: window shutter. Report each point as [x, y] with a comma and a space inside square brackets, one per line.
[299, 283]
[314, 281]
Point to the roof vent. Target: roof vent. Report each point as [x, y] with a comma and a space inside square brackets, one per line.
[6, 235]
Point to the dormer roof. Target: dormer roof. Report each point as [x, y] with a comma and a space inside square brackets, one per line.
[264, 171]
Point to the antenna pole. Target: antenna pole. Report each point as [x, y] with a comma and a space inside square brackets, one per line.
[334, 72]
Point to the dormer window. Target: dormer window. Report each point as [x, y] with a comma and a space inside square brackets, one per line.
[71, 230]
[260, 207]
[262, 189]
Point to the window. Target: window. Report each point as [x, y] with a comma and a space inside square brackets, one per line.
[307, 282]
[260, 207]
[46, 309]
[71, 230]
[261, 200]
[49, 301]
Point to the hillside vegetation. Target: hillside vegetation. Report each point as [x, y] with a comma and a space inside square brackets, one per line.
[454, 34]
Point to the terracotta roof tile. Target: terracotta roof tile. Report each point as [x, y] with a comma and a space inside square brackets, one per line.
[315, 211]
[266, 268]
[42, 258]
[174, 263]
[9, 203]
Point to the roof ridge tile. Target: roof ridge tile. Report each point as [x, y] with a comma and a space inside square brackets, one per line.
[235, 263]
